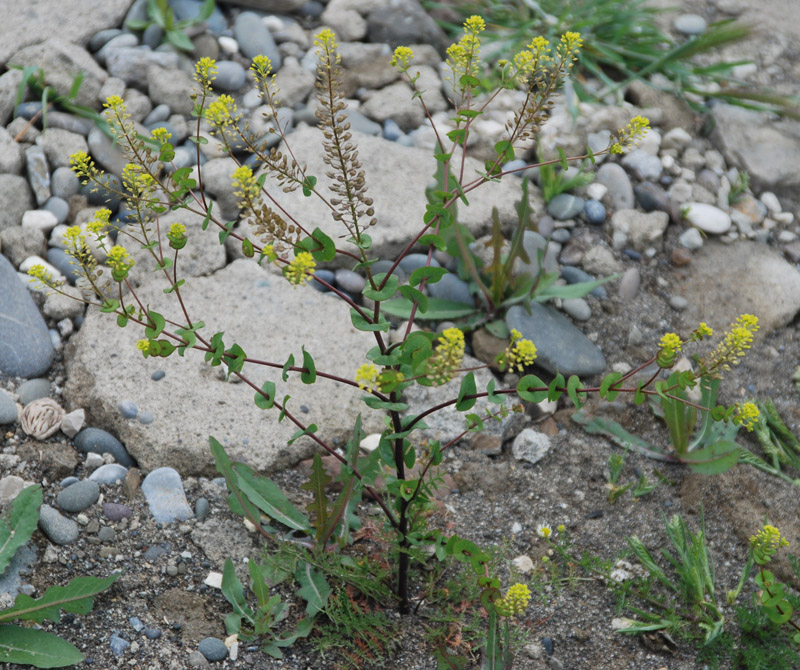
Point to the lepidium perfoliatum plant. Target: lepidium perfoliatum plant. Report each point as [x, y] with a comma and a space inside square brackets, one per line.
[400, 475]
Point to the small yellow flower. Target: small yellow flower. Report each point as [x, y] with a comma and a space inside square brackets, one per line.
[114, 102]
[515, 601]
[98, 225]
[205, 71]
[325, 39]
[261, 65]
[367, 377]
[300, 270]
[402, 58]
[222, 111]
[245, 186]
[671, 341]
[475, 24]
[160, 135]
[519, 353]
[544, 530]
[177, 236]
[734, 345]
[746, 415]
[766, 543]
[144, 347]
[39, 272]
[448, 356]
[561, 528]
[120, 262]
[702, 331]
[82, 165]
[629, 137]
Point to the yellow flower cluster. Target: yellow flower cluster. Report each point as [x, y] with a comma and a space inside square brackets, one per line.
[766, 543]
[144, 347]
[630, 136]
[160, 135]
[261, 66]
[245, 186]
[671, 341]
[222, 111]
[139, 183]
[701, 332]
[738, 340]
[447, 359]
[515, 601]
[43, 275]
[519, 353]
[300, 270]
[569, 47]
[367, 377]
[100, 223]
[463, 55]
[746, 415]
[402, 58]
[120, 262]
[82, 164]
[177, 236]
[205, 71]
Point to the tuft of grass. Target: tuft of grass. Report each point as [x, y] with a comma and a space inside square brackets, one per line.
[621, 44]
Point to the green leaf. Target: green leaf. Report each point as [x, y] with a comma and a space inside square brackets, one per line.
[412, 295]
[714, 459]
[318, 507]
[206, 10]
[605, 386]
[376, 403]
[226, 231]
[573, 385]
[268, 497]
[266, 399]
[288, 364]
[308, 186]
[207, 217]
[313, 588]
[38, 648]
[234, 359]
[458, 135]
[110, 306]
[438, 308]
[467, 388]
[22, 520]
[569, 291]
[779, 617]
[308, 430]
[430, 273]
[309, 374]
[498, 328]
[386, 292]
[529, 382]
[553, 392]
[234, 593]
[360, 323]
[76, 597]
[189, 335]
[247, 248]
[432, 239]
[180, 40]
[157, 320]
[492, 397]
[468, 80]
[615, 432]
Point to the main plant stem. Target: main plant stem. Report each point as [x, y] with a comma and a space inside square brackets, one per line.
[404, 560]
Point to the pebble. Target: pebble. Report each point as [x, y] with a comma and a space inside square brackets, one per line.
[325, 275]
[213, 649]
[8, 409]
[680, 256]
[771, 202]
[533, 242]
[391, 131]
[33, 389]
[201, 509]
[58, 207]
[349, 280]
[651, 197]
[59, 529]
[577, 308]
[708, 218]
[254, 38]
[28, 351]
[629, 284]
[561, 346]
[616, 180]
[231, 76]
[64, 183]
[575, 275]
[561, 235]
[101, 442]
[565, 206]
[530, 445]
[678, 302]
[116, 511]
[451, 287]
[79, 496]
[690, 24]
[128, 409]
[595, 212]
[691, 239]
[415, 261]
[108, 474]
[160, 374]
[118, 645]
[163, 490]
[645, 165]
[106, 535]
[152, 633]
[146, 418]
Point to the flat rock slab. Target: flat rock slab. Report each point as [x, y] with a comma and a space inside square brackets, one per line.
[269, 320]
[27, 23]
[25, 346]
[396, 178]
[742, 278]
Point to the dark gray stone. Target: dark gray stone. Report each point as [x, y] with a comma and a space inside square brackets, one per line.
[213, 649]
[415, 261]
[99, 40]
[58, 529]
[108, 474]
[70, 122]
[25, 346]
[58, 207]
[402, 22]
[201, 509]
[350, 281]
[231, 76]
[64, 183]
[561, 347]
[325, 275]
[128, 409]
[190, 9]
[652, 197]
[79, 496]
[575, 275]
[100, 442]
[595, 212]
[16, 198]
[450, 287]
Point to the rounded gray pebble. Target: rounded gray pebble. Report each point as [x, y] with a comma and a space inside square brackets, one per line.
[560, 235]
[213, 649]
[33, 389]
[68, 481]
[78, 497]
[230, 76]
[158, 374]
[58, 207]
[64, 183]
[415, 261]
[350, 281]
[118, 645]
[690, 24]
[201, 509]
[63, 263]
[565, 206]
[110, 473]
[678, 302]
[629, 284]
[101, 442]
[128, 409]
[8, 409]
[577, 308]
[158, 114]
[58, 529]
[146, 418]
[325, 275]
[595, 212]
[450, 287]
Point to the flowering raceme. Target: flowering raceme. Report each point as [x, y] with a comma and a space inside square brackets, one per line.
[300, 270]
[515, 601]
[447, 359]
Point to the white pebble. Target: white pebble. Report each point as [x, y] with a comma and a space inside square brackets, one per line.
[708, 218]
[214, 580]
[273, 23]
[596, 191]
[787, 236]
[691, 239]
[30, 261]
[228, 45]
[769, 199]
[370, 442]
[784, 217]
[523, 564]
[39, 219]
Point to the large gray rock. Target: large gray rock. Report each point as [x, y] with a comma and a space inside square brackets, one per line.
[259, 311]
[25, 346]
[16, 198]
[62, 61]
[27, 23]
[742, 278]
[396, 178]
[60, 144]
[767, 151]
[9, 84]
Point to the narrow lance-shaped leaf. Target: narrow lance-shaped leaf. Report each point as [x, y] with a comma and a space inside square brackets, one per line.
[28, 646]
[21, 523]
[318, 507]
[313, 588]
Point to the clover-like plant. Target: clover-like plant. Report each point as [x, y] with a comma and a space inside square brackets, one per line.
[399, 476]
